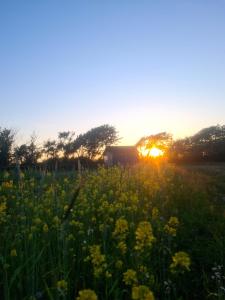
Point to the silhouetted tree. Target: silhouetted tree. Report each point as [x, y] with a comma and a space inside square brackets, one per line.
[65, 139]
[95, 140]
[162, 141]
[28, 154]
[50, 148]
[6, 143]
[206, 145]
[21, 153]
[76, 147]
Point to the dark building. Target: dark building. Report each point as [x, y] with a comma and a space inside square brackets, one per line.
[120, 155]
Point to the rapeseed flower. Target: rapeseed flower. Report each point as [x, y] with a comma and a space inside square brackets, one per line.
[144, 236]
[62, 285]
[122, 247]
[13, 253]
[121, 229]
[3, 208]
[171, 226]
[155, 213]
[142, 292]
[98, 260]
[87, 295]
[181, 262]
[130, 277]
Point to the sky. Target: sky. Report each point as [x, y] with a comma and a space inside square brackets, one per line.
[141, 66]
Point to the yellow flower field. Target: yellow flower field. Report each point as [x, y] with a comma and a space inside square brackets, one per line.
[143, 232]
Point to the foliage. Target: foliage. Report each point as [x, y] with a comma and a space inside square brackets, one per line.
[28, 154]
[206, 145]
[6, 143]
[96, 139]
[161, 141]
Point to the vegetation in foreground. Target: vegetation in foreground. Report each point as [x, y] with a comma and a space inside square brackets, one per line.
[146, 232]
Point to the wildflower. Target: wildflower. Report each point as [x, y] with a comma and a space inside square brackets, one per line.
[62, 285]
[87, 295]
[181, 260]
[142, 292]
[143, 269]
[13, 253]
[2, 212]
[121, 229]
[144, 236]
[155, 213]
[171, 226]
[130, 277]
[7, 184]
[98, 260]
[122, 247]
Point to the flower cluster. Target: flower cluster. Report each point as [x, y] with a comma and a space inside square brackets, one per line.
[142, 292]
[130, 277]
[171, 227]
[144, 236]
[87, 295]
[121, 229]
[98, 260]
[181, 262]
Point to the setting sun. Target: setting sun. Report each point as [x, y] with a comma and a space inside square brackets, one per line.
[155, 152]
[152, 152]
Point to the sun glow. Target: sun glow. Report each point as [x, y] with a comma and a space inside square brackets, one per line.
[153, 152]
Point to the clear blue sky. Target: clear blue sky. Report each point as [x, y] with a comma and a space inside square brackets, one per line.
[142, 66]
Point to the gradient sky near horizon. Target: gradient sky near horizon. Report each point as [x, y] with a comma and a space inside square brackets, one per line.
[142, 66]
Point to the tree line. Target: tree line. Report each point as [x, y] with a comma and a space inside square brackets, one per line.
[207, 145]
[66, 152]
[69, 150]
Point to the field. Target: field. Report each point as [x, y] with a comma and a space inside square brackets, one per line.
[144, 232]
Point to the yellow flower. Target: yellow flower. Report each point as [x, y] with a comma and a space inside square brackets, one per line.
[122, 247]
[142, 292]
[87, 295]
[121, 229]
[144, 236]
[2, 212]
[155, 213]
[171, 226]
[98, 260]
[7, 184]
[62, 284]
[130, 277]
[13, 253]
[181, 262]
